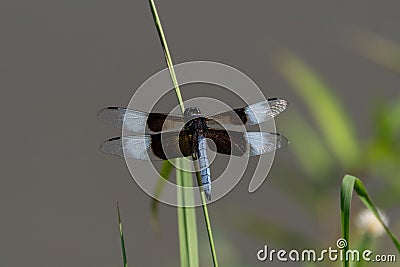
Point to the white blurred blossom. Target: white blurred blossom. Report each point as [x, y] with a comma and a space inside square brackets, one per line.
[368, 223]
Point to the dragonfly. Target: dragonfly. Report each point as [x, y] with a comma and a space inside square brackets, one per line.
[172, 136]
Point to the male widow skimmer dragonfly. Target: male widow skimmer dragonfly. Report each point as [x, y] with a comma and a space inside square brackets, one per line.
[172, 136]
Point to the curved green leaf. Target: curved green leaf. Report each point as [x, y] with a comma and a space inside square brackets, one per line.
[350, 184]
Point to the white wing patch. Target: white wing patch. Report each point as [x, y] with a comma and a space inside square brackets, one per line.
[122, 118]
[262, 142]
[135, 147]
[134, 121]
[265, 110]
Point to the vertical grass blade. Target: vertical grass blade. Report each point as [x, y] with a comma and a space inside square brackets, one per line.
[182, 229]
[350, 184]
[166, 52]
[187, 253]
[188, 240]
[186, 216]
[121, 235]
[207, 218]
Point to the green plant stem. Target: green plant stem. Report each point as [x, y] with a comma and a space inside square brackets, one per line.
[207, 219]
[186, 217]
[166, 52]
[182, 212]
[121, 235]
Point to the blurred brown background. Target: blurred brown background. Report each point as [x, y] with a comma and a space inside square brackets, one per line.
[61, 61]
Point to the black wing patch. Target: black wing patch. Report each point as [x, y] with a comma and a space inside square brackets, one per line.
[171, 145]
[160, 146]
[237, 143]
[228, 142]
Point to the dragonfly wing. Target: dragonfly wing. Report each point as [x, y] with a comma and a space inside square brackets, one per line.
[228, 142]
[136, 147]
[138, 121]
[263, 142]
[237, 143]
[160, 146]
[251, 115]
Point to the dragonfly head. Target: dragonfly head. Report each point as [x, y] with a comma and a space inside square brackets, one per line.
[191, 113]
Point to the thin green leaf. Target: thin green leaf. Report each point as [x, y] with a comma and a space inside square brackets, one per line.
[191, 223]
[182, 230]
[363, 195]
[350, 184]
[188, 251]
[325, 108]
[166, 52]
[164, 177]
[346, 194]
[183, 216]
[207, 219]
[121, 235]
[186, 216]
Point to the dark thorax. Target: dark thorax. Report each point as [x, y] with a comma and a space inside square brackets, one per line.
[196, 124]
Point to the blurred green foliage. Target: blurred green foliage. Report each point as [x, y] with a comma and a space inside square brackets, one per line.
[383, 157]
[324, 106]
[329, 146]
[376, 48]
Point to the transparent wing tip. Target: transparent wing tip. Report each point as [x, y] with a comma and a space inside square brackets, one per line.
[281, 141]
[112, 146]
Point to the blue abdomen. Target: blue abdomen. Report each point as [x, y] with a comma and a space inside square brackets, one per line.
[204, 166]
